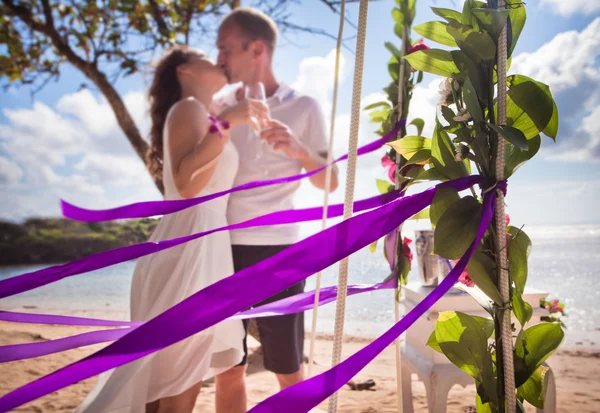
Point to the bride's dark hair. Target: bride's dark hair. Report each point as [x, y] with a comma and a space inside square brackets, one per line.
[164, 92]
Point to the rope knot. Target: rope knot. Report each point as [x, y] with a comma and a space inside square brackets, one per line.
[488, 184]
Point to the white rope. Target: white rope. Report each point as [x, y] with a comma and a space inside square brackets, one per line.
[507, 343]
[342, 290]
[327, 179]
[401, 84]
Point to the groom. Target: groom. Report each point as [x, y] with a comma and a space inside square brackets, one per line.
[297, 137]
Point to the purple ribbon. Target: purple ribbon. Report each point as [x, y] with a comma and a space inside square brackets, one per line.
[303, 396]
[154, 208]
[238, 292]
[295, 304]
[35, 279]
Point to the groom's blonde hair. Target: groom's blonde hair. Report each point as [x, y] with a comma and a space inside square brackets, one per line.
[254, 25]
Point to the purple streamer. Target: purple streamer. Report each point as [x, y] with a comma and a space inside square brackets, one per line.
[65, 320]
[304, 396]
[30, 350]
[155, 208]
[297, 303]
[35, 279]
[237, 292]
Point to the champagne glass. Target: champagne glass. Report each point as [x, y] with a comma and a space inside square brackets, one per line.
[256, 91]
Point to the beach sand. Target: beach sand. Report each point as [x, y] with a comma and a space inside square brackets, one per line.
[576, 368]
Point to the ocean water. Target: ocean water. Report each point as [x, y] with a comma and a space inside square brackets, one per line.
[564, 262]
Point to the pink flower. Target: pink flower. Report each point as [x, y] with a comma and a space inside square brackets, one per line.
[507, 217]
[465, 279]
[420, 45]
[406, 252]
[390, 248]
[386, 162]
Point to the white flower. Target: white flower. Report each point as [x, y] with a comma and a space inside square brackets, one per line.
[445, 92]
[463, 116]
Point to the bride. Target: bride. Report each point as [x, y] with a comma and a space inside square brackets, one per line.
[190, 149]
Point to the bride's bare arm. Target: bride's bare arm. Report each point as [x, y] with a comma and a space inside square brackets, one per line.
[194, 150]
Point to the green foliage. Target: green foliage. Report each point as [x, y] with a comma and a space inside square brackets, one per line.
[457, 228]
[468, 135]
[53, 240]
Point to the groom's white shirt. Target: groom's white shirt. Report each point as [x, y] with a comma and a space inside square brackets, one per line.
[303, 115]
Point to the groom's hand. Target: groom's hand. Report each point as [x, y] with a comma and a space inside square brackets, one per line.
[281, 137]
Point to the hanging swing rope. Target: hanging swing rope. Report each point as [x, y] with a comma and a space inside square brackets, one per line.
[401, 131]
[340, 307]
[327, 179]
[507, 344]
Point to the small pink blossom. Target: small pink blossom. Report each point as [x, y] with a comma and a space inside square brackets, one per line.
[465, 279]
[390, 248]
[386, 162]
[420, 45]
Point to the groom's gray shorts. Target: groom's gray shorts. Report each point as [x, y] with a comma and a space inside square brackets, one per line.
[282, 337]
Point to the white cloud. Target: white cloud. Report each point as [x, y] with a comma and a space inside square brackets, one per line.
[10, 172]
[569, 65]
[571, 7]
[75, 151]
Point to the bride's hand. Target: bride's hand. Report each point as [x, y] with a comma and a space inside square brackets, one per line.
[247, 111]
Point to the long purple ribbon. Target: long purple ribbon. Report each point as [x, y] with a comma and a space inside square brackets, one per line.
[295, 304]
[35, 279]
[237, 292]
[305, 395]
[154, 208]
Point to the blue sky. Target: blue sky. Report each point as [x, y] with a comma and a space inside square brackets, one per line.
[65, 143]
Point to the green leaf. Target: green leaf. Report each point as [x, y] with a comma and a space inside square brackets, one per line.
[467, 17]
[528, 107]
[484, 407]
[482, 270]
[431, 174]
[517, 16]
[424, 214]
[449, 115]
[519, 249]
[436, 61]
[487, 324]
[432, 342]
[478, 46]
[471, 100]
[513, 135]
[469, 69]
[378, 116]
[398, 16]
[443, 198]
[457, 227]
[491, 20]
[443, 156]
[462, 339]
[516, 157]
[522, 309]
[551, 129]
[421, 157]
[534, 389]
[447, 14]
[394, 70]
[419, 124]
[384, 187]
[540, 341]
[436, 31]
[409, 145]
[373, 246]
[378, 104]
[394, 50]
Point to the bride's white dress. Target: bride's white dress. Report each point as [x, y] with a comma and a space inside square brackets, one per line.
[162, 280]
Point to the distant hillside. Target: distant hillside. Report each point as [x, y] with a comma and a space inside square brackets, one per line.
[55, 240]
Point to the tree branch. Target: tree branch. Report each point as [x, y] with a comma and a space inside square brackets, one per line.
[160, 22]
